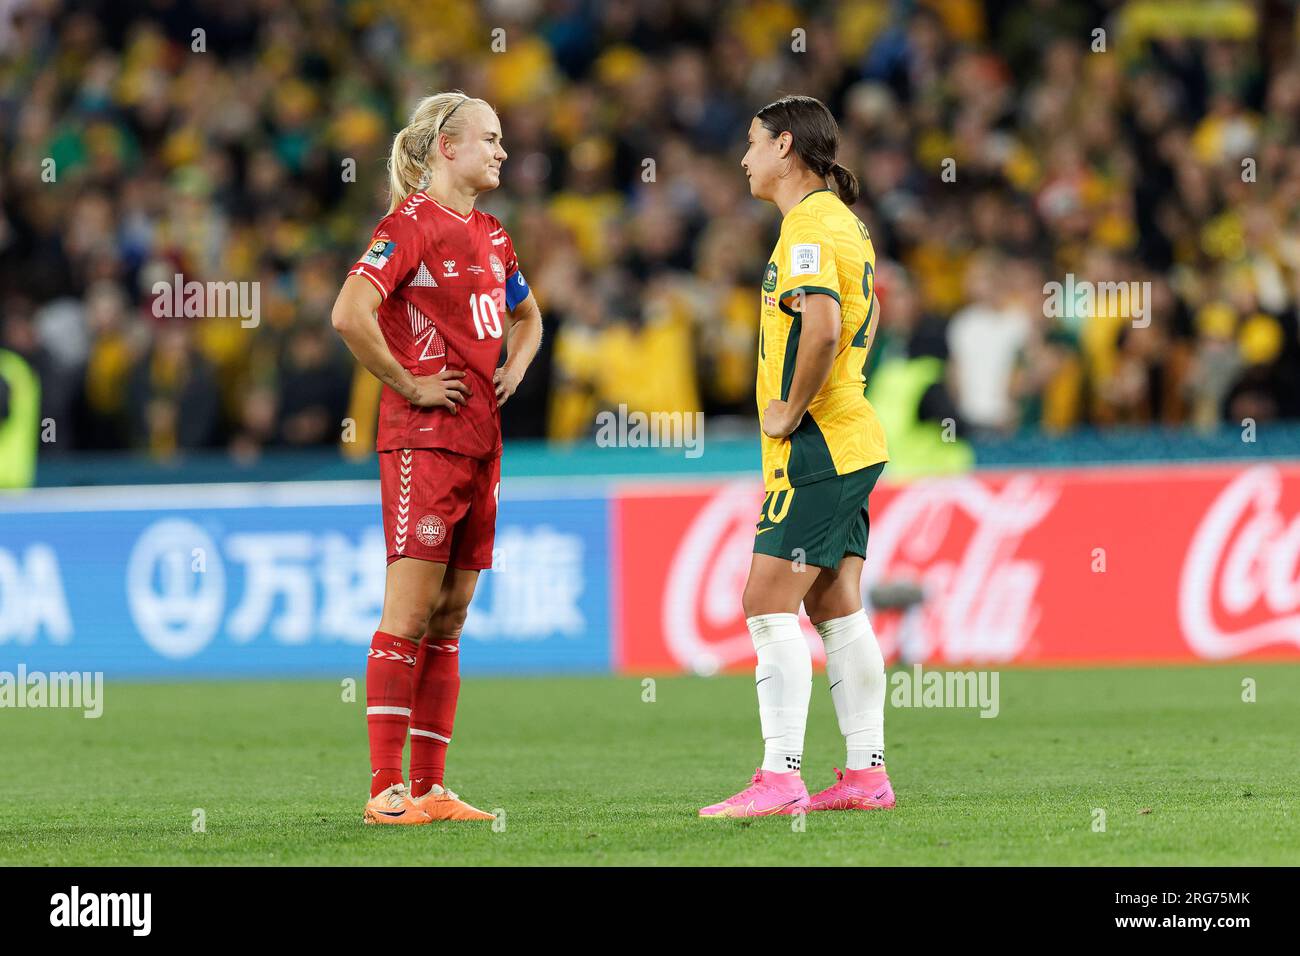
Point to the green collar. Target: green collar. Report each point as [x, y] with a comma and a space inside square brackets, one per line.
[824, 189]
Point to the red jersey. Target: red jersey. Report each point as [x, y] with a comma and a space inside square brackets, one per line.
[445, 279]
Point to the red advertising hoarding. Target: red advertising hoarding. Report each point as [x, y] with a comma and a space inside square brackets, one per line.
[1168, 564]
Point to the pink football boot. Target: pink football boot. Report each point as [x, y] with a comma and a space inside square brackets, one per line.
[857, 790]
[769, 794]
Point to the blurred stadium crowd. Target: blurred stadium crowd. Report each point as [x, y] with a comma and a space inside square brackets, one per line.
[1171, 158]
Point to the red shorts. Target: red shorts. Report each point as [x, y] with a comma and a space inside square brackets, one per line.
[439, 506]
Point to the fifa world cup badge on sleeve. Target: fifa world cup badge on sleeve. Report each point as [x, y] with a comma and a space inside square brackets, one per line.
[805, 259]
[379, 253]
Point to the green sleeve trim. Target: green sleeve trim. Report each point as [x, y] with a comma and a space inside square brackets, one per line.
[807, 290]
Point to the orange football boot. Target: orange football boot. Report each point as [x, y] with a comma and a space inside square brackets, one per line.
[442, 804]
[394, 805]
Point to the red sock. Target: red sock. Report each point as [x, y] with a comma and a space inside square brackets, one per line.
[390, 673]
[433, 710]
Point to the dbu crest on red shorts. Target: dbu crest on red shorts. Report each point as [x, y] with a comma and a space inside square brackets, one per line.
[439, 506]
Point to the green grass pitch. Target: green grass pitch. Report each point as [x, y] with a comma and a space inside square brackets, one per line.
[589, 773]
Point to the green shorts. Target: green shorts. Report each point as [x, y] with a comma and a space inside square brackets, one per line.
[818, 523]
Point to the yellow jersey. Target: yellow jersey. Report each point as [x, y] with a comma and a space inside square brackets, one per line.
[824, 250]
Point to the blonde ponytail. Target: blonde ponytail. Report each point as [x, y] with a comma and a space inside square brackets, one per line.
[410, 161]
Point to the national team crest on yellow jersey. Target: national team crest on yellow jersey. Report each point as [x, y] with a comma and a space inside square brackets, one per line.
[824, 250]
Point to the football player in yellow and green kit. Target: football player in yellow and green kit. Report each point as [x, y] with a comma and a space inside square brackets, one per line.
[823, 450]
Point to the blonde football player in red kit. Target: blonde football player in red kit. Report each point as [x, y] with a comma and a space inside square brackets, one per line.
[425, 309]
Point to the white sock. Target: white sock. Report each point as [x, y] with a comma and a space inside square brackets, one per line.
[783, 679]
[855, 670]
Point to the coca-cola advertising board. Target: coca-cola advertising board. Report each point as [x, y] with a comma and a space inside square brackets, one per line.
[1070, 566]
